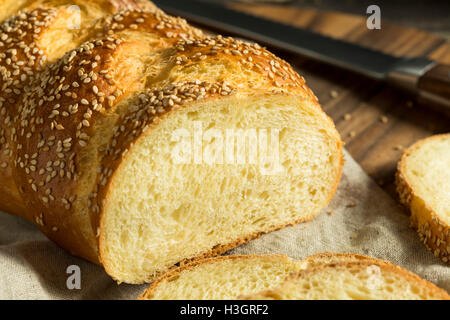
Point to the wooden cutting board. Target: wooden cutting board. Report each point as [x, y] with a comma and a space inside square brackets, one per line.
[376, 121]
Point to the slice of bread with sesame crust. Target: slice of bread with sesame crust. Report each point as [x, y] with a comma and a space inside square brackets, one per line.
[97, 131]
[356, 280]
[268, 276]
[423, 185]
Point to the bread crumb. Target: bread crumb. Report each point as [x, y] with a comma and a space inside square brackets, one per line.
[354, 236]
[351, 134]
[351, 204]
[331, 212]
[347, 116]
[399, 147]
[384, 119]
[334, 94]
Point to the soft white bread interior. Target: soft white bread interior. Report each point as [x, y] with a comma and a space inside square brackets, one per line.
[364, 280]
[423, 185]
[222, 278]
[321, 276]
[183, 210]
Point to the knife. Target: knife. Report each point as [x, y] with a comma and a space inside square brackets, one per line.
[428, 80]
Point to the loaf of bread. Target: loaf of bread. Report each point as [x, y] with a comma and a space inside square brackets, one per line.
[321, 276]
[136, 142]
[423, 185]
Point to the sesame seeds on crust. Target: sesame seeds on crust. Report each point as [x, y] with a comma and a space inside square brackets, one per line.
[168, 27]
[20, 55]
[249, 56]
[56, 120]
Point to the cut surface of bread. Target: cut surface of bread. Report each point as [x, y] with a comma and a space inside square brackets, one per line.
[320, 276]
[184, 210]
[423, 184]
[364, 280]
[222, 278]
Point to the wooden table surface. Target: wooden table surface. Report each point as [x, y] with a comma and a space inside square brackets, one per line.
[376, 121]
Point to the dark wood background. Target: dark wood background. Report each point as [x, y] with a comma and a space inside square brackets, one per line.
[376, 121]
[429, 15]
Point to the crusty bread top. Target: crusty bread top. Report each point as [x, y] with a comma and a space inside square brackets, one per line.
[30, 39]
[12, 7]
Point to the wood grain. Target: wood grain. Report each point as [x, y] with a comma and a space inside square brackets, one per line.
[437, 80]
[376, 121]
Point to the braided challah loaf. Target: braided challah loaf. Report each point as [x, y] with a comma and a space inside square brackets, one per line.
[100, 128]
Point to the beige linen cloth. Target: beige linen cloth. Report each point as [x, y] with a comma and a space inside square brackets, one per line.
[32, 267]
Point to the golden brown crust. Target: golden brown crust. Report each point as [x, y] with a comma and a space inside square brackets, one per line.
[433, 232]
[21, 57]
[17, 64]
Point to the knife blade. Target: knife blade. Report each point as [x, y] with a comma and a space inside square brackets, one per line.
[406, 73]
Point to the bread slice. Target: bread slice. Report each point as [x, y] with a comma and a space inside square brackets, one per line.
[222, 278]
[423, 185]
[356, 280]
[349, 275]
[216, 278]
[181, 211]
